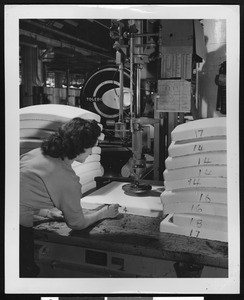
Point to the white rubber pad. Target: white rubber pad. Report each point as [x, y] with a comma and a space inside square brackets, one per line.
[196, 182]
[85, 167]
[202, 171]
[167, 226]
[205, 159]
[88, 186]
[201, 221]
[56, 112]
[195, 195]
[199, 129]
[88, 176]
[180, 149]
[214, 209]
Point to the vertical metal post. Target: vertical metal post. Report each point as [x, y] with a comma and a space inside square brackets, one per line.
[138, 92]
[67, 88]
[138, 52]
[159, 145]
[121, 93]
[198, 99]
[131, 77]
[29, 57]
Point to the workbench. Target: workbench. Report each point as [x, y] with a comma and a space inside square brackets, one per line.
[127, 246]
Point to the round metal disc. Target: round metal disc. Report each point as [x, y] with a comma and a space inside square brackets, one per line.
[140, 188]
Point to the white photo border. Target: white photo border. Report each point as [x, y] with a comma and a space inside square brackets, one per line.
[14, 284]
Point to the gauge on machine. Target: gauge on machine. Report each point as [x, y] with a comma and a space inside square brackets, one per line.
[101, 92]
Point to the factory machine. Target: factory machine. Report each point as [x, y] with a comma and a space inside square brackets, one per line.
[125, 94]
[122, 94]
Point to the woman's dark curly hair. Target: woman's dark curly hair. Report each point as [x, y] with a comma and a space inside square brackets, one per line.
[72, 139]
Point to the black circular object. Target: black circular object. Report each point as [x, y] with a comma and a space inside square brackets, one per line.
[140, 188]
[104, 80]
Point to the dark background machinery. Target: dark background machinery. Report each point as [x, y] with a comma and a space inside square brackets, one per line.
[75, 56]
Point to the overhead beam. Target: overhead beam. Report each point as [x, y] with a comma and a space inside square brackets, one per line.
[98, 22]
[65, 35]
[60, 44]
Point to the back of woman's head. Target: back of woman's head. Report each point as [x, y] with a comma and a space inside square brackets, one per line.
[72, 139]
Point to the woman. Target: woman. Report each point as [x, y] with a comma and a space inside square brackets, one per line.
[48, 181]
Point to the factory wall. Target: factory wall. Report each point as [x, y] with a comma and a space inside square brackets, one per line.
[215, 37]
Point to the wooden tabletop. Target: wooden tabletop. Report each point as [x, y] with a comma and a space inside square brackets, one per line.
[136, 235]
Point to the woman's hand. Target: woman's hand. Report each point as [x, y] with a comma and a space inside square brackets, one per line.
[104, 211]
[52, 213]
[55, 214]
[111, 211]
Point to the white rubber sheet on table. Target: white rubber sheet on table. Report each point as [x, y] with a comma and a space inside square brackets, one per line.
[149, 205]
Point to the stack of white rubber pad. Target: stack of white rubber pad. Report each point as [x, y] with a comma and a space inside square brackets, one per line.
[39, 121]
[195, 179]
